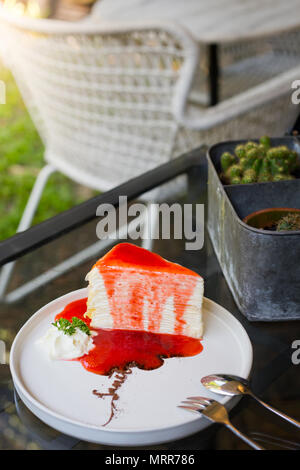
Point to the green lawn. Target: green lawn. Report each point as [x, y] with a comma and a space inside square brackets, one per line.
[21, 157]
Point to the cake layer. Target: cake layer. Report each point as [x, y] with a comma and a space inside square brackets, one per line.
[134, 289]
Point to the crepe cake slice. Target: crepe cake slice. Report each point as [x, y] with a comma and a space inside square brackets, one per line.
[131, 288]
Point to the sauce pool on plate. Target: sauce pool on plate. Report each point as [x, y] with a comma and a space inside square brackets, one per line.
[118, 349]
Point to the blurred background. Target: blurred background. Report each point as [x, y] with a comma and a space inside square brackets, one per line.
[242, 46]
[21, 149]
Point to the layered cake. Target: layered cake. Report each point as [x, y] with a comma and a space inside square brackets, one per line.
[131, 288]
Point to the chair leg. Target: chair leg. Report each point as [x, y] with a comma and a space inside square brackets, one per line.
[26, 220]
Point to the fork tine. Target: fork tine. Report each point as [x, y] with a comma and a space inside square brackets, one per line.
[202, 400]
[192, 403]
[190, 408]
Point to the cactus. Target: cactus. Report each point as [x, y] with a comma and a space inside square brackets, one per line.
[235, 171]
[240, 151]
[282, 177]
[262, 150]
[249, 176]
[257, 165]
[266, 163]
[251, 157]
[288, 222]
[250, 145]
[265, 141]
[264, 173]
[227, 160]
[236, 180]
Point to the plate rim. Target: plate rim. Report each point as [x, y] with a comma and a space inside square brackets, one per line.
[80, 293]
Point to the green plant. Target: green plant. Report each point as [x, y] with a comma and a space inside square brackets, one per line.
[21, 158]
[227, 160]
[288, 222]
[258, 162]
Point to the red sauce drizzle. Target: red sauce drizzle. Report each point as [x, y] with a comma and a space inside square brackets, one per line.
[118, 349]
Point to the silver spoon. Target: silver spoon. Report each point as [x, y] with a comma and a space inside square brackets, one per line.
[232, 385]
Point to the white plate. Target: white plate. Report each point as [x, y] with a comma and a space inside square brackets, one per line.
[60, 392]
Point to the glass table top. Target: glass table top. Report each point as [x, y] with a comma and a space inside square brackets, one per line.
[274, 377]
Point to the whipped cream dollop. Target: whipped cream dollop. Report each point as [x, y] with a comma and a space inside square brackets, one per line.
[61, 346]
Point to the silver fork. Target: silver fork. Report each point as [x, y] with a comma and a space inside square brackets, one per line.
[217, 413]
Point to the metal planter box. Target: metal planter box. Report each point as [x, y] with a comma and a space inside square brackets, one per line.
[262, 268]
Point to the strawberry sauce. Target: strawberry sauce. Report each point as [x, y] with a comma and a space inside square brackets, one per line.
[119, 349]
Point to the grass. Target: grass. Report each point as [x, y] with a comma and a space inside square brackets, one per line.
[21, 158]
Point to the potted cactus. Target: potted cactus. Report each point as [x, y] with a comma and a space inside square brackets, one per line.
[254, 162]
[259, 253]
[277, 219]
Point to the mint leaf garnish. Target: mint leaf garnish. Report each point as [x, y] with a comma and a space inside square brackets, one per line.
[69, 328]
[77, 323]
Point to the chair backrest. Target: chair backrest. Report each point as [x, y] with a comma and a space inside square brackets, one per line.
[102, 98]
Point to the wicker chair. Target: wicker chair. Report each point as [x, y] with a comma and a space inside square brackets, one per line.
[111, 102]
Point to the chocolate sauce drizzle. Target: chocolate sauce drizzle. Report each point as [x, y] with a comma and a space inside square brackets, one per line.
[119, 379]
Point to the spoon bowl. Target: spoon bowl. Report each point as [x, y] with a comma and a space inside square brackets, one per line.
[232, 385]
[224, 384]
